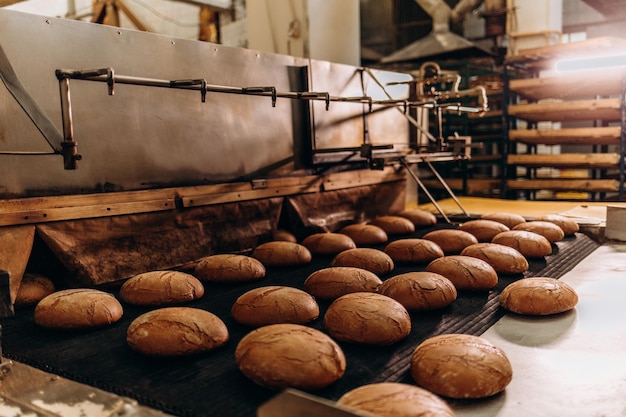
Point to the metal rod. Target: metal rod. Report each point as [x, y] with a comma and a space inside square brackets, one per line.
[68, 146]
[445, 185]
[423, 187]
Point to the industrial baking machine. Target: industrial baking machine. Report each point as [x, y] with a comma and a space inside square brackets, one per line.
[123, 152]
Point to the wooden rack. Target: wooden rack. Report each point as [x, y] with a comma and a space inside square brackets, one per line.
[587, 110]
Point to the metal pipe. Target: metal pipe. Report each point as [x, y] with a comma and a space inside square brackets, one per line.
[69, 147]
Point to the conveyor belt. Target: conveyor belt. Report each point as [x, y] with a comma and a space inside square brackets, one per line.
[210, 384]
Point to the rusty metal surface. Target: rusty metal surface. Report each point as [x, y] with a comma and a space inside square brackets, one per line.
[145, 137]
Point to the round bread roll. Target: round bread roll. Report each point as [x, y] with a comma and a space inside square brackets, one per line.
[365, 234]
[451, 241]
[484, 230]
[328, 243]
[367, 318]
[176, 331]
[161, 288]
[568, 225]
[290, 356]
[370, 259]
[510, 220]
[420, 290]
[461, 366]
[33, 288]
[549, 230]
[395, 399]
[281, 253]
[81, 308]
[504, 259]
[229, 268]
[538, 296]
[284, 235]
[529, 244]
[465, 272]
[275, 304]
[419, 218]
[413, 250]
[394, 225]
[331, 283]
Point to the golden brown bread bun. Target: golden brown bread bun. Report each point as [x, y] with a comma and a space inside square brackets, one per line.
[529, 244]
[368, 318]
[229, 268]
[465, 272]
[484, 230]
[509, 219]
[418, 217]
[504, 259]
[161, 288]
[461, 366]
[328, 243]
[549, 230]
[395, 399]
[333, 282]
[281, 253]
[568, 225]
[370, 259]
[33, 288]
[284, 235]
[451, 241]
[176, 331]
[420, 290]
[538, 296]
[275, 304]
[394, 225]
[81, 308]
[413, 250]
[365, 234]
[290, 356]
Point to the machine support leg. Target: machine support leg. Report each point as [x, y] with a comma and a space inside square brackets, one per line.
[445, 185]
[428, 194]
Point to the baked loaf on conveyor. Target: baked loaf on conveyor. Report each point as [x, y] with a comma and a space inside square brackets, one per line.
[275, 304]
[81, 308]
[176, 331]
[290, 356]
[281, 253]
[367, 318]
[419, 291]
[538, 296]
[509, 219]
[451, 241]
[549, 230]
[413, 251]
[395, 399]
[331, 283]
[370, 259]
[157, 288]
[33, 288]
[365, 234]
[484, 230]
[461, 366]
[504, 259]
[419, 218]
[568, 225]
[465, 272]
[394, 225]
[328, 243]
[529, 244]
[229, 268]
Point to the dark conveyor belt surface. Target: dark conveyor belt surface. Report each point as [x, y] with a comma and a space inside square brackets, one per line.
[210, 384]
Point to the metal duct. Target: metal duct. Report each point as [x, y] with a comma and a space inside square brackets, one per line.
[440, 41]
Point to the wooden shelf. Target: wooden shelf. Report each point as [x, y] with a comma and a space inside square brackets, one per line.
[607, 82]
[560, 184]
[569, 136]
[607, 109]
[567, 160]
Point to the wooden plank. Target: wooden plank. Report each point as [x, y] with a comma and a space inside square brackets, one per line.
[546, 55]
[607, 109]
[567, 160]
[475, 186]
[16, 243]
[352, 179]
[590, 84]
[574, 136]
[209, 199]
[45, 215]
[586, 185]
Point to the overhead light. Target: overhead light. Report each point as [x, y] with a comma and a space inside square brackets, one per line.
[591, 63]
